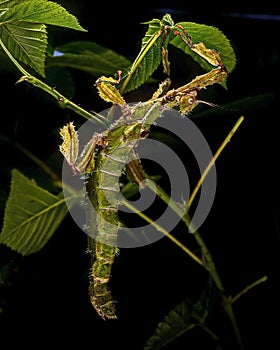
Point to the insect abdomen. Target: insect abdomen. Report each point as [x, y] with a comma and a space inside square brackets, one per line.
[103, 194]
[100, 295]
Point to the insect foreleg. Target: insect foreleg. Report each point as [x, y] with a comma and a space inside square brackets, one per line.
[163, 87]
[110, 80]
[164, 52]
[70, 145]
[184, 36]
[217, 75]
[109, 93]
[212, 56]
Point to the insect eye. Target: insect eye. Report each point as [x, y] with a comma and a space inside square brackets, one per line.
[191, 101]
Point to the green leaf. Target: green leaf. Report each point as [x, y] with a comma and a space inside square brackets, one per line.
[31, 216]
[148, 59]
[213, 38]
[27, 42]
[162, 33]
[89, 57]
[23, 29]
[176, 322]
[38, 11]
[184, 317]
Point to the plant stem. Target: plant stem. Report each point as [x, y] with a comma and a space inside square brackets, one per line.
[62, 100]
[213, 160]
[207, 259]
[209, 263]
[162, 230]
[246, 289]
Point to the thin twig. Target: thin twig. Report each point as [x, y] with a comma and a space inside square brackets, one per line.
[62, 100]
[246, 289]
[163, 231]
[213, 160]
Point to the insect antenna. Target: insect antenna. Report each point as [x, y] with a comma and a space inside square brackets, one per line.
[211, 104]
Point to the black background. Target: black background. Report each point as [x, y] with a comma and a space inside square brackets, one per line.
[45, 300]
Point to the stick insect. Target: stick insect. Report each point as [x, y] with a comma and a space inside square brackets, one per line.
[101, 165]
